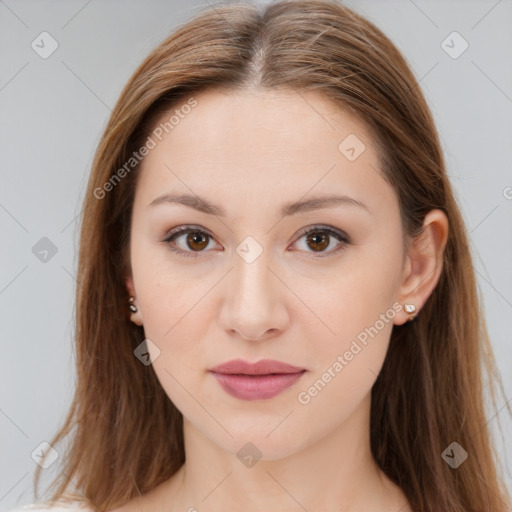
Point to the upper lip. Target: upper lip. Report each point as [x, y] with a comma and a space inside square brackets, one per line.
[263, 367]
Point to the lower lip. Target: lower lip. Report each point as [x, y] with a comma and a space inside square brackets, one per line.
[257, 387]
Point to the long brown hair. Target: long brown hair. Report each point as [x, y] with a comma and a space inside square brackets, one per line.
[126, 435]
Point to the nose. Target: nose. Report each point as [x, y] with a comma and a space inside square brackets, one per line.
[254, 305]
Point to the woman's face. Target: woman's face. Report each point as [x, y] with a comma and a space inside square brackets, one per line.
[249, 284]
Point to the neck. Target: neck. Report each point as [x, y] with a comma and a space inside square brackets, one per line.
[336, 472]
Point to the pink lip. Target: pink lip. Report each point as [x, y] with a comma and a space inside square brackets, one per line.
[256, 381]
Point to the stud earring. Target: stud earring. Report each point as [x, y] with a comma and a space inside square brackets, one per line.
[132, 306]
[410, 308]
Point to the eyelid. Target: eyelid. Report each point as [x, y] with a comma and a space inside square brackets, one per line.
[180, 231]
[185, 228]
[340, 235]
[324, 227]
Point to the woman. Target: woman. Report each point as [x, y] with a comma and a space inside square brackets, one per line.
[277, 308]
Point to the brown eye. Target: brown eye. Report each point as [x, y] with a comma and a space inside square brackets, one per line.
[197, 240]
[318, 241]
[319, 238]
[194, 241]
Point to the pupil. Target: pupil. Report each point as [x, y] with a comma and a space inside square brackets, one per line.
[319, 239]
[194, 239]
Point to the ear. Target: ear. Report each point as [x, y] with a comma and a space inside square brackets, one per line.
[423, 264]
[136, 318]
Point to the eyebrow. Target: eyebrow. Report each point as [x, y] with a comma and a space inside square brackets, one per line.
[203, 205]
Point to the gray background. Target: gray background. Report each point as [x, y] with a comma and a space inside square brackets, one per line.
[54, 110]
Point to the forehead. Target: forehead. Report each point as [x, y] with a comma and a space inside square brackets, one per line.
[261, 142]
[284, 120]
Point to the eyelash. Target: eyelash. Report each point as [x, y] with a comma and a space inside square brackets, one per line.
[181, 230]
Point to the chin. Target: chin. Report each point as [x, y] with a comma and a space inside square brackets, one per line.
[260, 441]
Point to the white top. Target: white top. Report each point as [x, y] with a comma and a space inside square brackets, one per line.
[45, 507]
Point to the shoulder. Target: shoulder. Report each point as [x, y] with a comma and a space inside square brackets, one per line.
[58, 506]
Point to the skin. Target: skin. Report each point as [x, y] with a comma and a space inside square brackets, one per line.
[251, 152]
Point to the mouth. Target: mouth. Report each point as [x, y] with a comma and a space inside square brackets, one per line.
[256, 381]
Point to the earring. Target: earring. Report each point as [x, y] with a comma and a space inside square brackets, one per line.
[410, 308]
[132, 306]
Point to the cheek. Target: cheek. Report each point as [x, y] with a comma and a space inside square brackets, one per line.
[175, 319]
[180, 365]
[356, 309]
[344, 372]
[166, 293]
[178, 324]
[352, 300]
